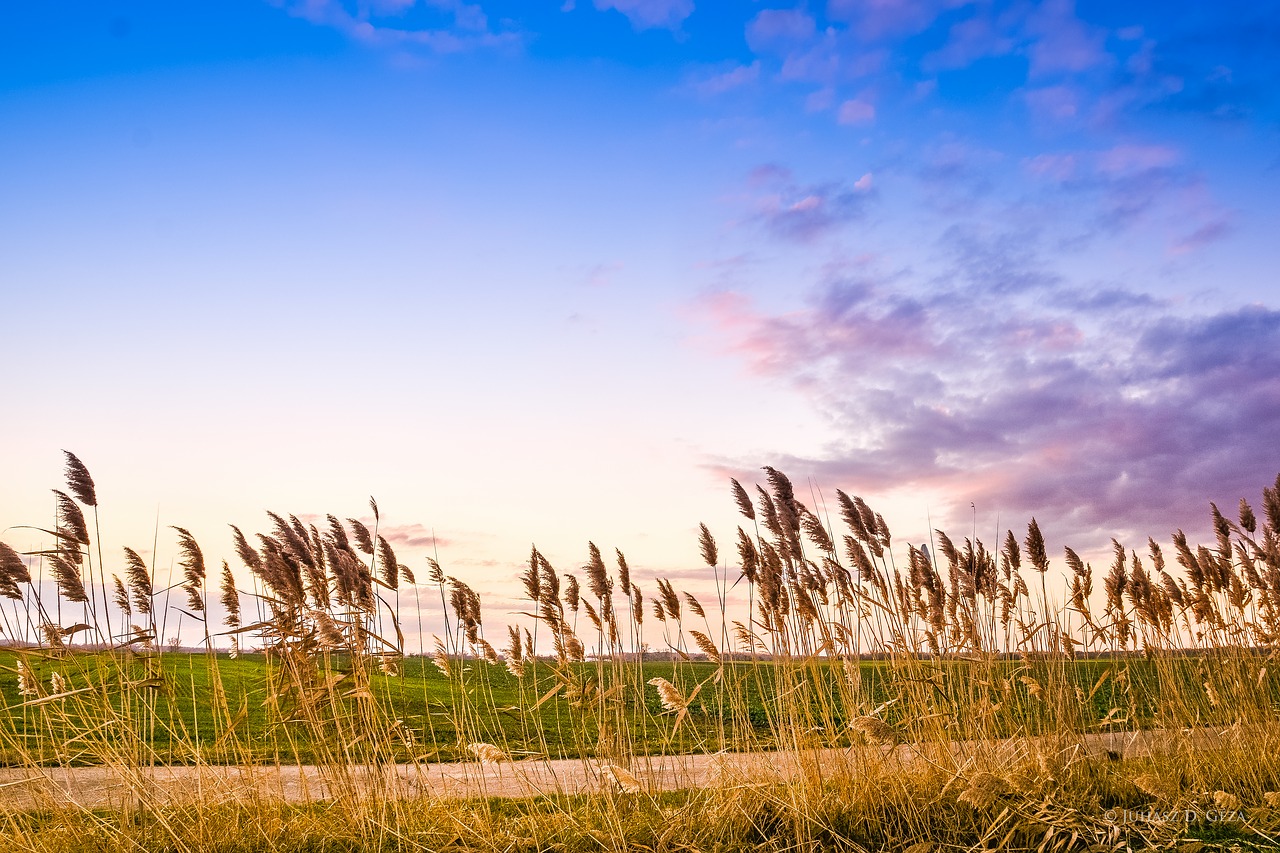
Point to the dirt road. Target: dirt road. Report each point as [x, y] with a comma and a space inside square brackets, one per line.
[105, 787]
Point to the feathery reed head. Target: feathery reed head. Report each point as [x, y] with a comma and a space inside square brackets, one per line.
[139, 581]
[708, 545]
[597, 574]
[624, 572]
[748, 556]
[230, 597]
[1035, 548]
[875, 730]
[387, 563]
[192, 558]
[668, 694]
[13, 571]
[361, 533]
[487, 753]
[71, 519]
[67, 576]
[120, 596]
[743, 500]
[79, 482]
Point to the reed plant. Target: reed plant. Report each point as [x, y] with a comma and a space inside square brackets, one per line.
[852, 693]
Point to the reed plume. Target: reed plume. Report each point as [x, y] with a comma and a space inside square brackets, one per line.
[708, 546]
[743, 501]
[13, 572]
[79, 482]
[387, 564]
[363, 540]
[192, 564]
[71, 519]
[230, 597]
[66, 575]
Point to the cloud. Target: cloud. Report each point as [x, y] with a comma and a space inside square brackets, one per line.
[968, 41]
[1126, 161]
[804, 212]
[1059, 103]
[725, 81]
[957, 173]
[1198, 238]
[1100, 413]
[1131, 185]
[777, 30]
[650, 14]
[878, 19]
[858, 110]
[438, 26]
[412, 536]
[1062, 42]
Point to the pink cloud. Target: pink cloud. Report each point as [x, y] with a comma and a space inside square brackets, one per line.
[1060, 103]
[1055, 167]
[1126, 160]
[968, 41]
[469, 28]
[1209, 232]
[725, 81]
[650, 14]
[1064, 43]
[780, 28]
[857, 111]
[1103, 414]
[804, 212]
[877, 19]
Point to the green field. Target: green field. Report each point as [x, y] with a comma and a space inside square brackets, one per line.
[188, 707]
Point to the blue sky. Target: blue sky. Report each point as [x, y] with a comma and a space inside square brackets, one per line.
[554, 271]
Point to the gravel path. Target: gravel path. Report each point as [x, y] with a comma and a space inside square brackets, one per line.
[105, 787]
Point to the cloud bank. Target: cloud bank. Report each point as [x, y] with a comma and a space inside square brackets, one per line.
[1102, 410]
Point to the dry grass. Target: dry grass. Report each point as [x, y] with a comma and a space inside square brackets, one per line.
[981, 734]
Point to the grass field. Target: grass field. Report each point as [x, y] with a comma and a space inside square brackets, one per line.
[996, 688]
[425, 702]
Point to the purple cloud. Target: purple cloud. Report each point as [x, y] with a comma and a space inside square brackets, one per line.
[968, 41]
[1061, 42]
[651, 14]
[736, 77]
[878, 19]
[459, 26]
[1105, 412]
[777, 30]
[804, 212]
[1129, 185]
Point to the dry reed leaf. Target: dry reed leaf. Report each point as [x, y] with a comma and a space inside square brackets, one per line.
[921, 847]
[1272, 798]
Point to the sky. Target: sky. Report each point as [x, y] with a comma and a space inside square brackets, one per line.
[549, 272]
